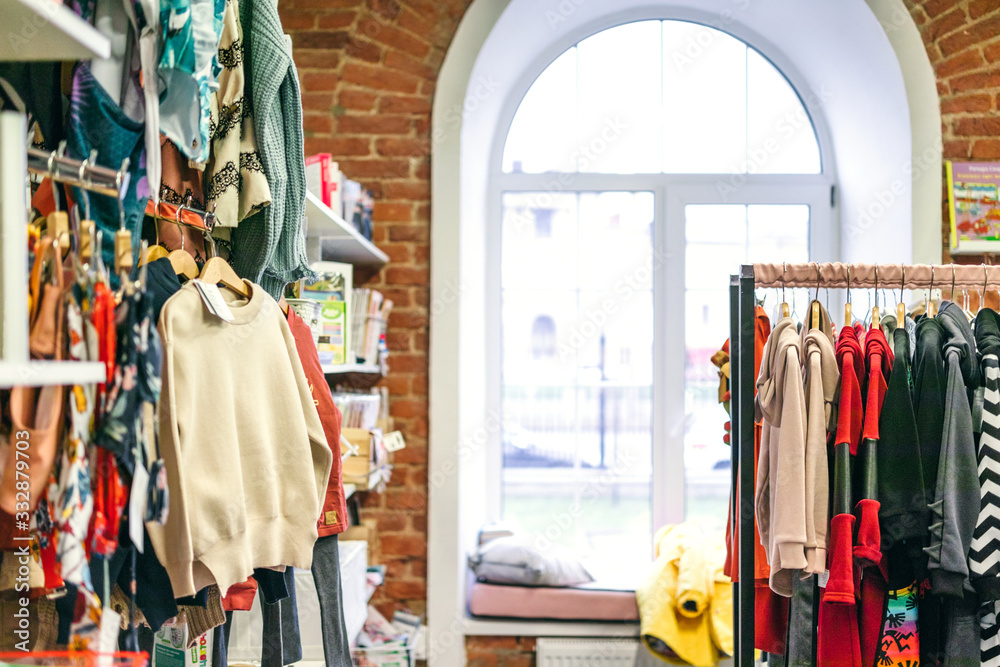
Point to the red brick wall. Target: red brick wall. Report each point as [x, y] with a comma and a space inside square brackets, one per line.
[368, 70]
[963, 44]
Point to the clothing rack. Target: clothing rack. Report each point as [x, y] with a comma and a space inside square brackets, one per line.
[85, 174]
[742, 381]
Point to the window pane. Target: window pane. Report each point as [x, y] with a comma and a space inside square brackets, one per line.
[543, 135]
[780, 137]
[539, 240]
[704, 100]
[577, 374]
[773, 233]
[619, 104]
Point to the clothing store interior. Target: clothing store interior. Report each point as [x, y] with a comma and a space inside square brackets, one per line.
[500, 333]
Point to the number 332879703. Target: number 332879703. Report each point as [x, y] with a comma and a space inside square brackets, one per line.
[23, 497]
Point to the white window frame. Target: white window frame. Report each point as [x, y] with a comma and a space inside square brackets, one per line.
[671, 194]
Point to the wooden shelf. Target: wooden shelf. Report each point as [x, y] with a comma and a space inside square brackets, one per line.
[46, 30]
[331, 238]
[45, 373]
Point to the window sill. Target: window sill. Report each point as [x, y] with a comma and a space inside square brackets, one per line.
[477, 627]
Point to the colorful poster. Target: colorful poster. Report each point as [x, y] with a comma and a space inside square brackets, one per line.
[974, 206]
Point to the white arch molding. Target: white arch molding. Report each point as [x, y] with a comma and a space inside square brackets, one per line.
[878, 120]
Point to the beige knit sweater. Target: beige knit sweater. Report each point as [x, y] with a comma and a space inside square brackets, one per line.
[245, 453]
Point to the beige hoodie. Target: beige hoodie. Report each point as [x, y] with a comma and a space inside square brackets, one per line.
[780, 496]
[822, 378]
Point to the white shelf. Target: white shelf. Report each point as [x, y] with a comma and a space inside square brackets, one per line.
[46, 30]
[44, 373]
[328, 233]
[337, 369]
[349, 490]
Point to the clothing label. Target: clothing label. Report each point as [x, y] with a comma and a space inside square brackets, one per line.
[394, 441]
[137, 506]
[213, 299]
[824, 578]
[330, 517]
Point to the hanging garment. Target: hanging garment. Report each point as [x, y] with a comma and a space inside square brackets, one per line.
[234, 176]
[269, 246]
[96, 122]
[189, 69]
[770, 609]
[984, 557]
[956, 498]
[929, 383]
[900, 643]
[869, 564]
[180, 185]
[333, 514]
[822, 378]
[234, 398]
[902, 506]
[326, 576]
[838, 641]
[781, 493]
[901, 494]
[989, 629]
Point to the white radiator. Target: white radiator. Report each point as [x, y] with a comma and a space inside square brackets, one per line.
[555, 652]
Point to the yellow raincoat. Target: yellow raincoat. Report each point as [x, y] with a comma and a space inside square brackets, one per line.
[686, 602]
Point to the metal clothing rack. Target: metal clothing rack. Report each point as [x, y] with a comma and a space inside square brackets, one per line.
[742, 381]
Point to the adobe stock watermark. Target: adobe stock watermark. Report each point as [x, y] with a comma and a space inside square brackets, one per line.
[562, 522]
[595, 319]
[783, 131]
[583, 156]
[885, 198]
[468, 447]
[19, 36]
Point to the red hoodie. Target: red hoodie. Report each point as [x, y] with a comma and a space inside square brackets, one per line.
[838, 641]
[872, 585]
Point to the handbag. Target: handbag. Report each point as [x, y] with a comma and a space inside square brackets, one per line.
[36, 413]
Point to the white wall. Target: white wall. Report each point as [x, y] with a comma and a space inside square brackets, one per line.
[836, 52]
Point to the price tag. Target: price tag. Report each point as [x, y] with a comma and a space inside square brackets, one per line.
[137, 505]
[824, 578]
[213, 299]
[394, 441]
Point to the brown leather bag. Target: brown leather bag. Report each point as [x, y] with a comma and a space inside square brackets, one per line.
[46, 320]
[36, 413]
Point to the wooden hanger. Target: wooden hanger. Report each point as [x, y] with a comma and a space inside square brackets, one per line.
[283, 305]
[848, 319]
[876, 319]
[901, 307]
[814, 318]
[183, 264]
[217, 270]
[784, 303]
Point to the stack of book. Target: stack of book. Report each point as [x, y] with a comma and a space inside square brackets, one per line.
[369, 314]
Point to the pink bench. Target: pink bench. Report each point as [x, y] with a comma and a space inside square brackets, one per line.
[589, 602]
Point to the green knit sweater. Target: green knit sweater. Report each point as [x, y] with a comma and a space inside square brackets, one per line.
[268, 247]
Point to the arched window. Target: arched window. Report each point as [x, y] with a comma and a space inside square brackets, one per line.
[543, 338]
[640, 168]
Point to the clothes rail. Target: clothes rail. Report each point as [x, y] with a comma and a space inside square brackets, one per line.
[83, 174]
[863, 276]
[742, 381]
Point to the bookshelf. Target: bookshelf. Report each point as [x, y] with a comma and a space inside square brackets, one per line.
[331, 238]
